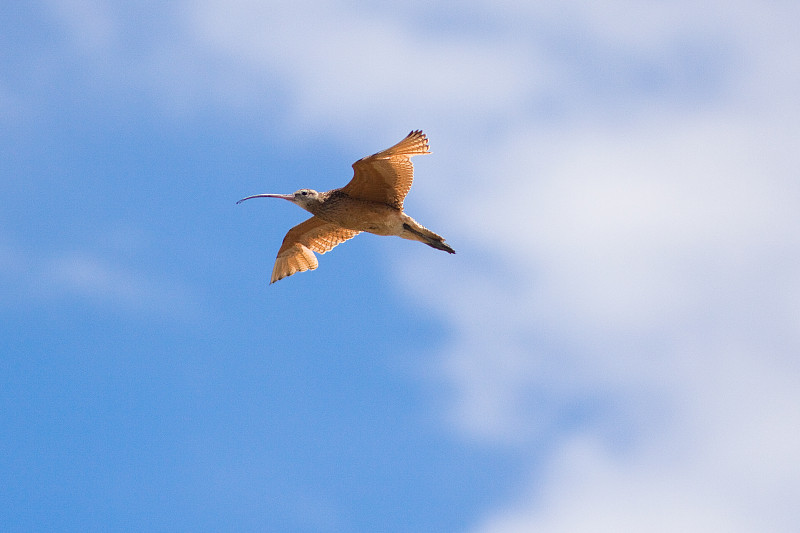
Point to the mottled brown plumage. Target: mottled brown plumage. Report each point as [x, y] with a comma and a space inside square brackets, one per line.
[372, 201]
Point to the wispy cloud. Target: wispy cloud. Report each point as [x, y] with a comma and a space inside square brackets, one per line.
[91, 277]
[342, 65]
[89, 24]
[87, 275]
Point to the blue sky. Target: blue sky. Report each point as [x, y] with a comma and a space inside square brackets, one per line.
[613, 347]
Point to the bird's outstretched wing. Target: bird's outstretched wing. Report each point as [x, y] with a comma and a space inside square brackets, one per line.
[386, 177]
[297, 251]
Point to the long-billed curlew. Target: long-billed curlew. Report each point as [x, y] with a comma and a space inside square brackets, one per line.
[371, 202]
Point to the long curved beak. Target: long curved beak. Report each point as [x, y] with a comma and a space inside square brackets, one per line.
[289, 197]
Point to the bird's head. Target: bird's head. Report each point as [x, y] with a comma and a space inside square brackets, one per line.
[304, 197]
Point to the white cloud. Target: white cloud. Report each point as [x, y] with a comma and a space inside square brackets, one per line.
[726, 461]
[591, 491]
[346, 66]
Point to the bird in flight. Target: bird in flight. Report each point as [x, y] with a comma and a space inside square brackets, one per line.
[371, 202]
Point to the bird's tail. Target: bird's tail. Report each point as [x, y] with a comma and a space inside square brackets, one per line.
[423, 234]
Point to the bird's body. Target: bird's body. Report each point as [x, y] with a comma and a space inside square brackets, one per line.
[371, 202]
[337, 207]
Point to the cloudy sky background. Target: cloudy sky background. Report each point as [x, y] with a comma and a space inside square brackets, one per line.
[614, 347]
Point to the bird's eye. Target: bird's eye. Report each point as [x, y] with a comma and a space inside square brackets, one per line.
[304, 193]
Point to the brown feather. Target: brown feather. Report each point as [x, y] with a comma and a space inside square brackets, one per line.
[296, 254]
[386, 177]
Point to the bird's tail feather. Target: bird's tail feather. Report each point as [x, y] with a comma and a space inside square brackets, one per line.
[430, 238]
